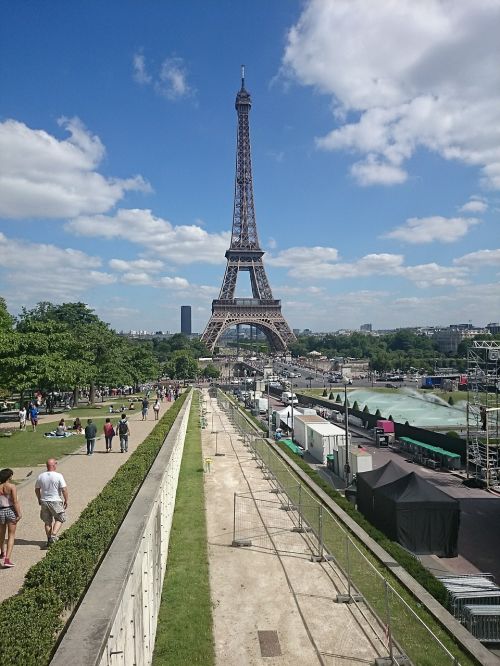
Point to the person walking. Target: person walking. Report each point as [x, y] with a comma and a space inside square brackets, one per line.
[52, 494]
[34, 416]
[90, 435]
[156, 409]
[10, 515]
[109, 433]
[123, 432]
[22, 417]
[145, 407]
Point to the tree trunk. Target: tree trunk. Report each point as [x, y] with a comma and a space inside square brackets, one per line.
[76, 396]
[92, 393]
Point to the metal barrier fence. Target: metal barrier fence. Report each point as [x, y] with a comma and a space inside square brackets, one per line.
[409, 639]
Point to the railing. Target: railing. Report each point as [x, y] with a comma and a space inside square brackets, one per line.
[409, 638]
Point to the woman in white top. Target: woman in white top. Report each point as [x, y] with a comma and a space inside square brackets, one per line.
[10, 514]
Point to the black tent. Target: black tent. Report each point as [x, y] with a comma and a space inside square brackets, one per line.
[366, 482]
[413, 512]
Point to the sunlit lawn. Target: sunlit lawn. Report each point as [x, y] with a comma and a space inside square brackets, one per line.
[28, 448]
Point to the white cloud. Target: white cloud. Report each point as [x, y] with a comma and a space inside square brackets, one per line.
[303, 255]
[419, 230]
[402, 75]
[55, 273]
[41, 176]
[170, 82]
[140, 73]
[479, 258]
[123, 266]
[180, 245]
[174, 283]
[475, 205]
[433, 275]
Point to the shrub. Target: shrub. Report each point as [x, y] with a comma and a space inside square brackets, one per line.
[390, 417]
[453, 433]
[338, 398]
[378, 415]
[325, 393]
[31, 620]
[356, 406]
[366, 410]
[451, 402]
[331, 396]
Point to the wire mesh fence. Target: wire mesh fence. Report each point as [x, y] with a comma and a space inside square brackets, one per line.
[409, 639]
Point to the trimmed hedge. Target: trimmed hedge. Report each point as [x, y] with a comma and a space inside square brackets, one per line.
[407, 561]
[31, 620]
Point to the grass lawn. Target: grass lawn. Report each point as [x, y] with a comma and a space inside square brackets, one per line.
[184, 633]
[27, 448]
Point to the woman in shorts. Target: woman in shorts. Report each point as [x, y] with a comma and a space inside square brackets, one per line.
[10, 514]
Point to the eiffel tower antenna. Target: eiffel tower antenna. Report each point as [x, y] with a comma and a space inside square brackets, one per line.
[245, 254]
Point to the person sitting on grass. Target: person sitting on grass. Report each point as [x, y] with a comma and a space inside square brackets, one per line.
[77, 425]
[61, 429]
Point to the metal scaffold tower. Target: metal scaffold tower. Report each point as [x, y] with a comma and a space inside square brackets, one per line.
[483, 412]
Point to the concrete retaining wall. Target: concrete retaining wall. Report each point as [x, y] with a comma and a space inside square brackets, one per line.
[116, 622]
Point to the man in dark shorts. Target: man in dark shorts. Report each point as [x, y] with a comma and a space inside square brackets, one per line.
[52, 494]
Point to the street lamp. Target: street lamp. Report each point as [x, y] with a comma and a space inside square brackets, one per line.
[347, 467]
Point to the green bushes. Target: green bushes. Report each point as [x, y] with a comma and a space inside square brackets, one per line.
[31, 620]
[407, 561]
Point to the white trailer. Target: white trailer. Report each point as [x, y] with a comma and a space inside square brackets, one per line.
[324, 439]
[300, 430]
[261, 405]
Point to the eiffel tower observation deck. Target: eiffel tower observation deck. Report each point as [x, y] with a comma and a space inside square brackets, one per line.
[262, 311]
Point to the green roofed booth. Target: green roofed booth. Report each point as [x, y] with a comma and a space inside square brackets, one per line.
[429, 455]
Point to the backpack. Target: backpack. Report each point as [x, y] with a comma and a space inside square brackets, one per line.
[122, 428]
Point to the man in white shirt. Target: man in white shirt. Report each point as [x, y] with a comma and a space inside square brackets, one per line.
[52, 494]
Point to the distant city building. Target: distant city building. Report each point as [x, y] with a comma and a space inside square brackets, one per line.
[366, 327]
[186, 319]
[493, 328]
[448, 339]
[296, 331]
[307, 331]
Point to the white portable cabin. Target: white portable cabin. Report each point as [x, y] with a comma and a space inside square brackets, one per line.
[360, 460]
[323, 439]
[300, 424]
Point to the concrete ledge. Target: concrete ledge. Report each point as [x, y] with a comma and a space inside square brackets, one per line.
[445, 619]
[116, 620]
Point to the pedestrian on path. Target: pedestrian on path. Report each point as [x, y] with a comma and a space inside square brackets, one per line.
[123, 432]
[109, 433]
[90, 435]
[145, 407]
[10, 515]
[22, 418]
[156, 409]
[34, 416]
[52, 495]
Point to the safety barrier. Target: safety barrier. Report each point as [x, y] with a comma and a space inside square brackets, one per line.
[409, 639]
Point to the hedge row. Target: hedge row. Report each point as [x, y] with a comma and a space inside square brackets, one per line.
[31, 620]
[407, 561]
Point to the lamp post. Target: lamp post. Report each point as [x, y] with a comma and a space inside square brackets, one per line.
[347, 467]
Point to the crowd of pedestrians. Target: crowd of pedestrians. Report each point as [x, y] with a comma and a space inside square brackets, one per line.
[50, 488]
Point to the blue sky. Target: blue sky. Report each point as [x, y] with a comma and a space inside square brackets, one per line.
[375, 133]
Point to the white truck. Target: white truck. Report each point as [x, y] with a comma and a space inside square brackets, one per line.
[261, 405]
[288, 398]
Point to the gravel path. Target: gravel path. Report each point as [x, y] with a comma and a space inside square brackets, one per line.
[85, 476]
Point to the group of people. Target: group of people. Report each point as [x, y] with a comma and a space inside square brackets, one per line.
[29, 411]
[52, 494]
[122, 430]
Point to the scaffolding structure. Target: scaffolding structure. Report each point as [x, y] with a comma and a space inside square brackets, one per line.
[483, 412]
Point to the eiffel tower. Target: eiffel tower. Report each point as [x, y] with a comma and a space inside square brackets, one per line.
[261, 311]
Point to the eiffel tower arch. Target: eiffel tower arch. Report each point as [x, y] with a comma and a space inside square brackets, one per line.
[245, 254]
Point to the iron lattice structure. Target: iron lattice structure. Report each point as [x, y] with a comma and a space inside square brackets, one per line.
[483, 414]
[245, 254]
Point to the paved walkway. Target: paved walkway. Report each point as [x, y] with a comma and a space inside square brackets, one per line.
[271, 604]
[85, 476]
